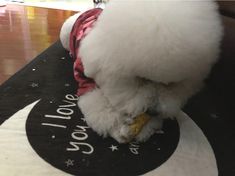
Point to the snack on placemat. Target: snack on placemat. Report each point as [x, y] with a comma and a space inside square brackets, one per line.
[139, 123]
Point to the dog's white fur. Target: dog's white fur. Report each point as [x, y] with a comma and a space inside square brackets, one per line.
[145, 54]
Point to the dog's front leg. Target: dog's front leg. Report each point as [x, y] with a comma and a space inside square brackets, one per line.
[103, 118]
[131, 98]
[172, 97]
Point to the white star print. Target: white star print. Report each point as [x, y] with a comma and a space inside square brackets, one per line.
[67, 85]
[34, 85]
[215, 116]
[63, 58]
[113, 148]
[69, 162]
[159, 132]
[33, 69]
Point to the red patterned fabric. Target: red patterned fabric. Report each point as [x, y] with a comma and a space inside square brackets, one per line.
[81, 28]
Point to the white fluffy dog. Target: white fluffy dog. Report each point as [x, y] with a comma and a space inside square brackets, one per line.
[145, 55]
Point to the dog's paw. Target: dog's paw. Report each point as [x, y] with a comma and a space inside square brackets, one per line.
[122, 133]
[149, 129]
[139, 128]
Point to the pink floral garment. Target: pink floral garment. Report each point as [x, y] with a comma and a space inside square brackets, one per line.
[81, 28]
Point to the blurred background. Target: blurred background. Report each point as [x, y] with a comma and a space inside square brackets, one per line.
[27, 27]
[76, 5]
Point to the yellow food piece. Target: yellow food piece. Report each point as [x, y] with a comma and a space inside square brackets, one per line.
[139, 123]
